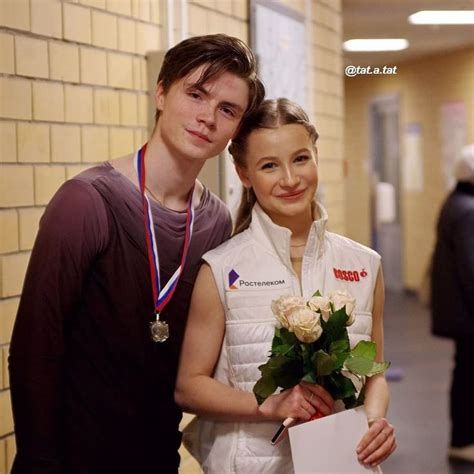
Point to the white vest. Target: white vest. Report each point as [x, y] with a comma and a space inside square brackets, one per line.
[251, 270]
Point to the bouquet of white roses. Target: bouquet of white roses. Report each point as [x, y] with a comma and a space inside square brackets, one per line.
[312, 344]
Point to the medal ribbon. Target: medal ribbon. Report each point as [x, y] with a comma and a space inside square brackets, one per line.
[161, 297]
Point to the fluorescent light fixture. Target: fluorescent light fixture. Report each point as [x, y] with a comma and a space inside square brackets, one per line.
[382, 44]
[442, 17]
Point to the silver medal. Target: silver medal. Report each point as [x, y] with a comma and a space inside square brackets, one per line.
[159, 330]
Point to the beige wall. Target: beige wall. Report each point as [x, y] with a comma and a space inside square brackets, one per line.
[424, 86]
[73, 91]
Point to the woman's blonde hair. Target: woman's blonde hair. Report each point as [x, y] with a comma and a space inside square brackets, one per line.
[271, 114]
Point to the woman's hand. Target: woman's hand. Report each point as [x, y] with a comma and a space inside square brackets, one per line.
[300, 403]
[378, 443]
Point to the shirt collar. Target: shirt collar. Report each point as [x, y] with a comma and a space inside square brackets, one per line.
[278, 238]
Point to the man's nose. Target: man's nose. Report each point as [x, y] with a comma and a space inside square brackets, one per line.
[207, 115]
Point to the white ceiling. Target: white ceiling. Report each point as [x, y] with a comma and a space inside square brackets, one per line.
[388, 19]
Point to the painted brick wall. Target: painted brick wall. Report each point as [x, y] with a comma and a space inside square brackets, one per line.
[72, 92]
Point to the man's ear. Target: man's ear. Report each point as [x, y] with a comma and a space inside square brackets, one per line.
[243, 175]
[159, 96]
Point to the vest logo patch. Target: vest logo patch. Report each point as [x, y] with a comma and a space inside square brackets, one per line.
[233, 277]
[236, 283]
[349, 275]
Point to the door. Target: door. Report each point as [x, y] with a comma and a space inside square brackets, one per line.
[385, 189]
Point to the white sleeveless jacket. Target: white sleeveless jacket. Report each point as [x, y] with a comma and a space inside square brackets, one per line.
[251, 270]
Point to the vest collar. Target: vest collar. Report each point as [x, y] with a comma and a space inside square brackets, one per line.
[273, 236]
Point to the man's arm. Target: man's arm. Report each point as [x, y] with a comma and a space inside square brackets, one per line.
[72, 231]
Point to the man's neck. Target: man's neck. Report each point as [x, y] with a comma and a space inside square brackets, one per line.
[170, 178]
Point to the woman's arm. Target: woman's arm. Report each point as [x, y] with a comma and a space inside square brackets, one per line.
[379, 441]
[197, 392]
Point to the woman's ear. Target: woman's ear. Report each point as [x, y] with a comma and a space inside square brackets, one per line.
[243, 175]
[159, 96]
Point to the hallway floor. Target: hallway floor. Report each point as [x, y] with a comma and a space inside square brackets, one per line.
[419, 399]
[419, 407]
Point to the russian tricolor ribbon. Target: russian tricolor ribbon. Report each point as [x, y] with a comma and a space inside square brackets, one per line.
[161, 296]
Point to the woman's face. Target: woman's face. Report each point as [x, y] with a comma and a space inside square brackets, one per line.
[282, 170]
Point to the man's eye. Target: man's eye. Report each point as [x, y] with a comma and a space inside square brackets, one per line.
[228, 111]
[194, 95]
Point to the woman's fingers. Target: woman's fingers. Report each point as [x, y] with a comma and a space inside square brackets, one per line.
[320, 399]
[380, 454]
[378, 443]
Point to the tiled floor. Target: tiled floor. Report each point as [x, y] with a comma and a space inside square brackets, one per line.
[419, 400]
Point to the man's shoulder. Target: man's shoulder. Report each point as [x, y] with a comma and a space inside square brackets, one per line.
[214, 206]
[94, 173]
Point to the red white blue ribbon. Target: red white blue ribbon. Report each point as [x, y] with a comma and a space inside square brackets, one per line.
[161, 297]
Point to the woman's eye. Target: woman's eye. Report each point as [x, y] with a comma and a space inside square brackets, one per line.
[268, 166]
[301, 158]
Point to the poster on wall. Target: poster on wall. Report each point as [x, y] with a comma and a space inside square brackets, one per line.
[412, 159]
[453, 138]
[278, 39]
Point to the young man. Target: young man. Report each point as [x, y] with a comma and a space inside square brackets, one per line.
[95, 346]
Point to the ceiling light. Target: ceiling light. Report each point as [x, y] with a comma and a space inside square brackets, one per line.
[382, 44]
[442, 17]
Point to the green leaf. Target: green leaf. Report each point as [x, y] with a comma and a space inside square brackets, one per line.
[310, 376]
[289, 374]
[341, 358]
[316, 293]
[378, 368]
[366, 349]
[359, 365]
[363, 366]
[283, 349]
[307, 354]
[264, 387]
[335, 327]
[340, 387]
[277, 341]
[340, 345]
[361, 397]
[324, 363]
[288, 337]
[350, 402]
[276, 362]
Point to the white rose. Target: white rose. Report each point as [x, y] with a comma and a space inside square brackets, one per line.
[341, 298]
[283, 305]
[305, 324]
[320, 304]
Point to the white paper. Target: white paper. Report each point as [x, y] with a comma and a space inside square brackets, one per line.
[385, 208]
[328, 445]
[412, 159]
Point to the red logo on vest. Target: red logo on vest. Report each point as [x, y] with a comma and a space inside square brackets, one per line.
[349, 275]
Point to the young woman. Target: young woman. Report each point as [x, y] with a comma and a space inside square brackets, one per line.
[280, 246]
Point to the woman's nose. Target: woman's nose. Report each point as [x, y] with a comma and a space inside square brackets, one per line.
[289, 178]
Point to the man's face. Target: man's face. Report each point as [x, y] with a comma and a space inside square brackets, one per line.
[197, 122]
